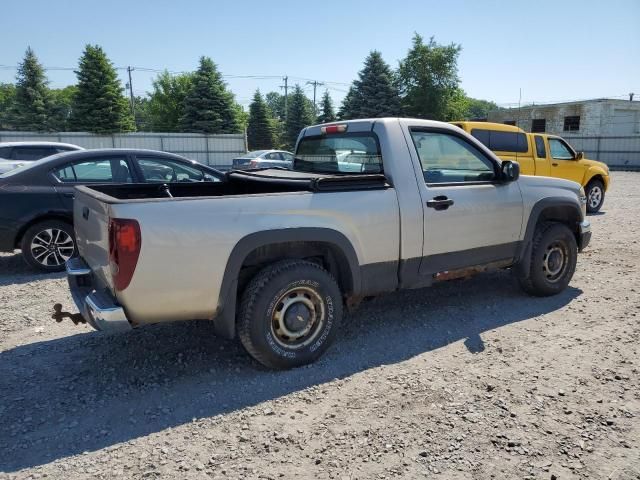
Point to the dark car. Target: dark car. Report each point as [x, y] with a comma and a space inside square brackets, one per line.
[263, 159]
[36, 200]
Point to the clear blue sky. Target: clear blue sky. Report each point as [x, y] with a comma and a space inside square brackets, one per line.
[553, 50]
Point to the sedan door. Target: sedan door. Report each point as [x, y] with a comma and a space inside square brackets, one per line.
[94, 169]
[470, 217]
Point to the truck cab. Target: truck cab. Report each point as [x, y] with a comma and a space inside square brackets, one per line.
[542, 154]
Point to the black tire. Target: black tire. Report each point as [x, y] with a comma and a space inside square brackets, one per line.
[267, 300]
[554, 254]
[40, 248]
[595, 195]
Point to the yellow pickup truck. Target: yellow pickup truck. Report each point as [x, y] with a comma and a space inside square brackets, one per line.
[543, 155]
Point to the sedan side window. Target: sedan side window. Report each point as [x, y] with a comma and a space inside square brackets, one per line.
[559, 150]
[447, 158]
[162, 170]
[95, 170]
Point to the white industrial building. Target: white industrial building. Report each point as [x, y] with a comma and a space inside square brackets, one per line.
[598, 117]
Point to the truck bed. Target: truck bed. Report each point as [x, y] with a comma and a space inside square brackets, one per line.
[241, 183]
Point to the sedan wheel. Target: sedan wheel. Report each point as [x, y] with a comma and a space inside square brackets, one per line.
[48, 245]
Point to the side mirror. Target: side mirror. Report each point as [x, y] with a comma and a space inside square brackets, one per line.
[579, 155]
[510, 171]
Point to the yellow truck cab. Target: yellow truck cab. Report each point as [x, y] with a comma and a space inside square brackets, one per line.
[546, 155]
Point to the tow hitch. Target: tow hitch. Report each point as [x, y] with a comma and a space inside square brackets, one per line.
[59, 315]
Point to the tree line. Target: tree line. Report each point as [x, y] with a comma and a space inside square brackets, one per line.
[424, 85]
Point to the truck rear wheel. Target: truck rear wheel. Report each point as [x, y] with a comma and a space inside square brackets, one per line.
[289, 314]
[554, 255]
[595, 195]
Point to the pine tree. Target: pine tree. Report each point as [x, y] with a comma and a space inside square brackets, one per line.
[299, 115]
[327, 114]
[32, 101]
[348, 104]
[374, 93]
[99, 105]
[209, 106]
[260, 131]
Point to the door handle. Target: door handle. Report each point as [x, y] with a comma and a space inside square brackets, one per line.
[554, 164]
[441, 202]
[69, 195]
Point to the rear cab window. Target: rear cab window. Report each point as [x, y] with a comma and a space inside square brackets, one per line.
[348, 153]
[498, 141]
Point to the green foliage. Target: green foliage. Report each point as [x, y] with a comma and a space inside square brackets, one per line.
[99, 105]
[143, 115]
[209, 107]
[299, 116]
[7, 97]
[31, 102]
[478, 109]
[327, 113]
[60, 107]
[374, 93]
[167, 101]
[260, 131]
[275, 102]
[428, 79]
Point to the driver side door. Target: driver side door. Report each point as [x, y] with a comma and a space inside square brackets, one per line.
[471, 218]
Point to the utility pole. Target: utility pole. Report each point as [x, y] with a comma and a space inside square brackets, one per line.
[631, 97]
[286, 90]
[315, 84]
[133, 110]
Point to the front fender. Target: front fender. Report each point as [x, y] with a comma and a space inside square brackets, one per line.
[597, 172]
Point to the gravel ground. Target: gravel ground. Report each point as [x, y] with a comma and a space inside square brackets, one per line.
[469, 379]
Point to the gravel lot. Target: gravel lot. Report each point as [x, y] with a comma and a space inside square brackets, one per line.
[470, 379]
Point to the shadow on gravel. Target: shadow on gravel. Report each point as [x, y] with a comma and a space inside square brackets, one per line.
[89, 391]
[15, 271]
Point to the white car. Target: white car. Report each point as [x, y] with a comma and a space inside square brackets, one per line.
[16, 154]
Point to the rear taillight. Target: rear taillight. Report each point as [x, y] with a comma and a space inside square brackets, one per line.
[254, 164]
[124, 248]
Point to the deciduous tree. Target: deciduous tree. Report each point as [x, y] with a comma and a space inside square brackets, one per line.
[428, 79]
[167, 101]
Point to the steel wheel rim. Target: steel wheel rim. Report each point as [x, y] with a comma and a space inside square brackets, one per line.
[295, 302]
[595, 196]
[52, 247]
[555, 261]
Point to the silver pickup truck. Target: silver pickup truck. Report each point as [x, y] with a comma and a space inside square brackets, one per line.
[274, 256]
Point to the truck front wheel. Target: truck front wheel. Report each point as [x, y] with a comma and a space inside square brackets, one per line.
[554, 254]
[289, 314]
[595, 195]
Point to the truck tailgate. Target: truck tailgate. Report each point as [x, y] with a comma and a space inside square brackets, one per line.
[91, 224]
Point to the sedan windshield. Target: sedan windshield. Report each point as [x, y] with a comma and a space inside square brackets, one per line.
[339, 153]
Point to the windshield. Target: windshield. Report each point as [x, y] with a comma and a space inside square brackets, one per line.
[339, 153]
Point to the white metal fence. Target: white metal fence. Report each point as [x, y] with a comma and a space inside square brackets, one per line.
[214, 150]
[619, 152]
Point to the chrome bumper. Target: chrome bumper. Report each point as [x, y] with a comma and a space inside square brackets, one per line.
[97, 307]
[584, 235]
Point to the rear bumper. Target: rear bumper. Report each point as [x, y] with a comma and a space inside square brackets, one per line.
[584, 235]
[97, 307]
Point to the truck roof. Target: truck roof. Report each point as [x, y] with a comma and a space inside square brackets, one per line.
[500, 127]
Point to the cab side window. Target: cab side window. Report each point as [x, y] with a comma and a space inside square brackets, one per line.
[559, 150]
[541, 150]
[447, 158]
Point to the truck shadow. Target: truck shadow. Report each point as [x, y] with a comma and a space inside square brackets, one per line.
[86, 392]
